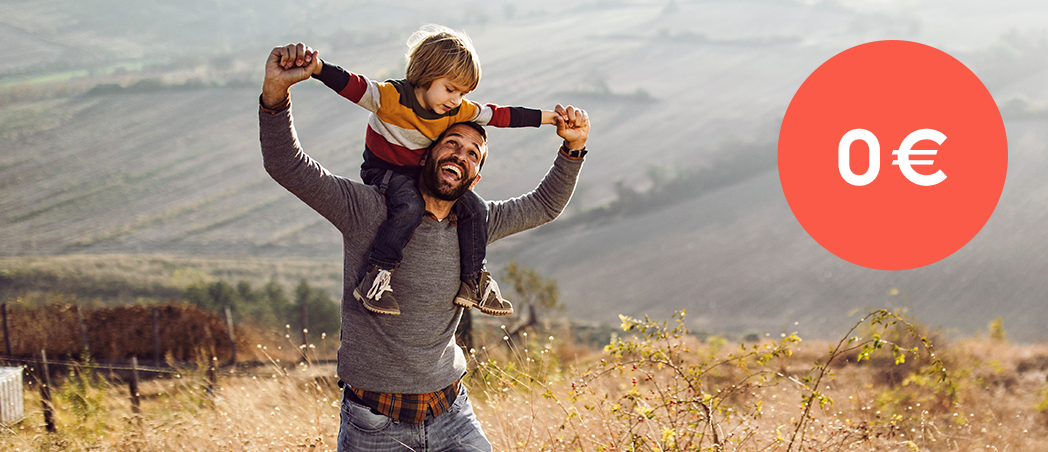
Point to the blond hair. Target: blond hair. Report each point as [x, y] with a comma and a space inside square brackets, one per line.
[435, 51]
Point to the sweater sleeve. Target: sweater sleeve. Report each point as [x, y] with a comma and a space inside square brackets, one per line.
[499, 116]
[355, 87]
[540, 206]
[336, 198]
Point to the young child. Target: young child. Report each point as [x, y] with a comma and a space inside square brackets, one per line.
[406, 117]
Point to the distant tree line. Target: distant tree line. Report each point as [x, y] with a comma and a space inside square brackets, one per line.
[269, 306]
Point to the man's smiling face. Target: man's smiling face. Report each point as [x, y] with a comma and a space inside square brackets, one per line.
[453, 164]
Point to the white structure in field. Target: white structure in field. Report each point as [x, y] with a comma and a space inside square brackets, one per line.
[12, 399]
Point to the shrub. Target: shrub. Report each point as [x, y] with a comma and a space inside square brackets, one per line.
[659, 388]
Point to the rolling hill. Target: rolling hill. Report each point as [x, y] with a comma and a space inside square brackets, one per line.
[132, 130]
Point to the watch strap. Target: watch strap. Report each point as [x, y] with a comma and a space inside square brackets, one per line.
[573, 153]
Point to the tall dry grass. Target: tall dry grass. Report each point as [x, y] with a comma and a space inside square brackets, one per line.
[655, 388]
[275, 408]
[661, 390]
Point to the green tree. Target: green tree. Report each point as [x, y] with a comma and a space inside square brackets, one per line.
[197, 295]
[223, 295]
[267, 306]
[274, 297]
[531, 288]
[322, 313]
[214, 296]
[246, 293]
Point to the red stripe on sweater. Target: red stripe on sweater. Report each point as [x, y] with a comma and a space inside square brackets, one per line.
[500, 116]
[355, 88]
[392, 153]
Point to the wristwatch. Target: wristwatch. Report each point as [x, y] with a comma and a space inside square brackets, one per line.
[573, 153]
[283, 105]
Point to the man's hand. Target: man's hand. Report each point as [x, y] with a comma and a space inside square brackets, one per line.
[573, 126]
[287, 66]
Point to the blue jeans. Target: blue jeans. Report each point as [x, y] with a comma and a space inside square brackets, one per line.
[405, 208]
[456, 429]
[472, 216]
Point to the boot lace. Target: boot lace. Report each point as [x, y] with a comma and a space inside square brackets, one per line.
[491, 287]
[380, 285]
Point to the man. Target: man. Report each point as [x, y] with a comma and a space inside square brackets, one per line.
[402, 372]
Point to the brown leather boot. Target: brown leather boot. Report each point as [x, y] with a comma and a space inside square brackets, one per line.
[491, 301]
[376, 293]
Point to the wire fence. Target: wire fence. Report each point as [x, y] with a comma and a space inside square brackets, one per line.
[131, 372]
[42, 370]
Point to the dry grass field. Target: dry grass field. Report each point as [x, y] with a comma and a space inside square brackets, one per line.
[654, 388]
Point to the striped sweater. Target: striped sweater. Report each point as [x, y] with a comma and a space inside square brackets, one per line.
[399, 129]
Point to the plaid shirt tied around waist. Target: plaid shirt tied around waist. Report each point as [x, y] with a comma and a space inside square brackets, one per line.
[407, 407]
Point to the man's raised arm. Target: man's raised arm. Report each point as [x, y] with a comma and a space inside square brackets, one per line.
[335, 198]
[547, 201]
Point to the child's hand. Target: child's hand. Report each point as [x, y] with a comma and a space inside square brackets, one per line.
[550, 117]
[573, 126]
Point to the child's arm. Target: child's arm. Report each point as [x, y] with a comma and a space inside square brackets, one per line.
[548, 200]
[499, 116]
[354, 87]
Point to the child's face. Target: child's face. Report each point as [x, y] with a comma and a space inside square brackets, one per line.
[441, 97]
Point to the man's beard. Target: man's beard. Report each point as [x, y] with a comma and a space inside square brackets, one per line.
[430, 176]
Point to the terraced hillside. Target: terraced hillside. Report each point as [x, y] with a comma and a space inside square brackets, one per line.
[132, 129]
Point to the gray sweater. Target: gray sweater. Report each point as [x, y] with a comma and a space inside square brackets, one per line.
[414, 352]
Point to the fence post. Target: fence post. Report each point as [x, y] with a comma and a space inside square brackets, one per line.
[7, 332]
[83, 332]
[133, 386]
[156, 336]
[212, 376]
[232, 340]
[83, 329]
[45, 394]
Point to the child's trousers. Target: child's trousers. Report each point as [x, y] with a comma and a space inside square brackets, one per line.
[405, 209]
